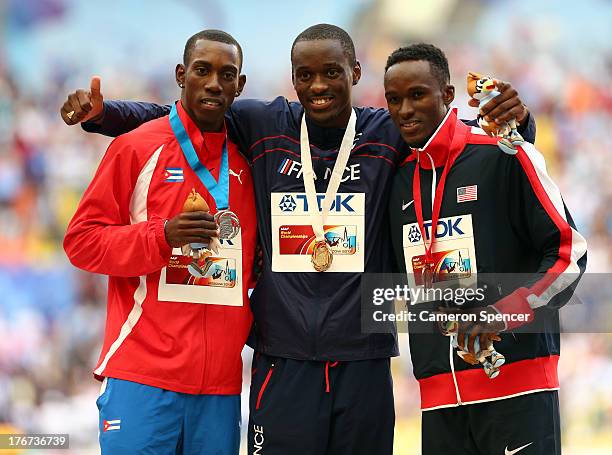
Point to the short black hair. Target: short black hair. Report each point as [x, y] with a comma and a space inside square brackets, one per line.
[210, 35]
[422, 51]
[328, 31]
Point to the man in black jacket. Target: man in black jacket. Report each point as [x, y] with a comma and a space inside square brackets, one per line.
[493, 213]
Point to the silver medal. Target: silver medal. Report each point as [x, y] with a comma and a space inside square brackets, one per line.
[229, 224]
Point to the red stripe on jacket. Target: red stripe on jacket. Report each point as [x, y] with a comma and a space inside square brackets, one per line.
[474, 385]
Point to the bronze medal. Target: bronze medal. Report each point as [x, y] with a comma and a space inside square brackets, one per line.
[427, 274]
[229, 224]
[322, 256]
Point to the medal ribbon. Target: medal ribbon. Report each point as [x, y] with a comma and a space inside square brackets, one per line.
[218, 190]
[457, 143]
[344, 152]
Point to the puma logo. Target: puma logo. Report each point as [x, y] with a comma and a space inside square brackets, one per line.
[238, 176]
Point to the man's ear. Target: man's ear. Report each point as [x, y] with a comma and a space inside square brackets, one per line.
[356, 72]
[449, 95]
[241, 81]
[292, 76]
[179, 74]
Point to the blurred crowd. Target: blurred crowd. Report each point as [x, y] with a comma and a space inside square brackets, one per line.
[52, 315]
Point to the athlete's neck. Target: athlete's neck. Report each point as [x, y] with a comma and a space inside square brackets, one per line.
[423, 143]
[324, 137]
[205, 125]
[207, 128]
[338, 122]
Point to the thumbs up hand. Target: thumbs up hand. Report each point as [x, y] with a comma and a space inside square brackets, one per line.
[83, 105]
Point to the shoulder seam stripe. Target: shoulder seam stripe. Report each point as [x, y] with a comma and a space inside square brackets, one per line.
[378, 144]
[295, 141]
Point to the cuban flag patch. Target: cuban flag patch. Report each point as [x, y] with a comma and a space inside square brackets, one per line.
[174, 174]
[110, 425]
[467, 193]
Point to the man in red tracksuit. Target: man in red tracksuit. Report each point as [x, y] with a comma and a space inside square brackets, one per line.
[171, 356]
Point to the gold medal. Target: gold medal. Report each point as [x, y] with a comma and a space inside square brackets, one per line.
[322, 256]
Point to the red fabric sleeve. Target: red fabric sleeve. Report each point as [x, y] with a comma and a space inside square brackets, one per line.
[516, 303]
[100, 237]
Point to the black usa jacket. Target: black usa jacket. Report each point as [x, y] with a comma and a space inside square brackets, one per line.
[500, 214]
[306, 316]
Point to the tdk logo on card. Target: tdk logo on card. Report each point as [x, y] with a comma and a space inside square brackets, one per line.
[341, 203]
[414, 234]
[447, 228]
[287, 203]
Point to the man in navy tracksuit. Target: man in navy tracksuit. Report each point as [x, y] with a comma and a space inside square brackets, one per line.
[496, 213]
[320, 385]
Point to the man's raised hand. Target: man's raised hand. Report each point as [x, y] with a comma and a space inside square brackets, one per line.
[83, 105]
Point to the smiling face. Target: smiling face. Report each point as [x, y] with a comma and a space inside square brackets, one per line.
[417, 102]
[323, 77]
[211, 80]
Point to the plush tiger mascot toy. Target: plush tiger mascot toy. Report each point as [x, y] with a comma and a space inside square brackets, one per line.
[484, 89]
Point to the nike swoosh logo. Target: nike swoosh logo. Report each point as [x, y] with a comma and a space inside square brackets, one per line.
[512, 452]
[406, 205]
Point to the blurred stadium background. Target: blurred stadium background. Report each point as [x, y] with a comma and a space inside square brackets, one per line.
[558, 54]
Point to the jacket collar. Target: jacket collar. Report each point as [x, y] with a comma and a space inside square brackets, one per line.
[207, 145]
[438, 145]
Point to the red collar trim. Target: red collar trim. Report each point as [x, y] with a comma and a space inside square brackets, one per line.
[439, 143]
[214, 140]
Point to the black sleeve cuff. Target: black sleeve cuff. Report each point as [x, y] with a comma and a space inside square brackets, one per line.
[527, 128]
[94, 126]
